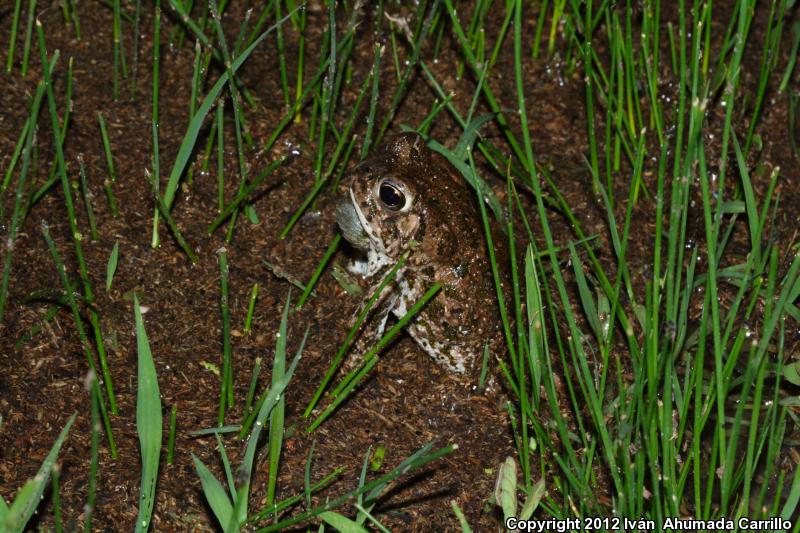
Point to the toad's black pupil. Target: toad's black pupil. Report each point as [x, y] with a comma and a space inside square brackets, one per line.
[391, 196]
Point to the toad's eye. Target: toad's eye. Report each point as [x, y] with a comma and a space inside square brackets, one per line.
[392, 196]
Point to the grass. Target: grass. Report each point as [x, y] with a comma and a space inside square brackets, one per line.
[26, 137]
[226, 389]
[148, 421]
[651, 364]
[358, 374]
[14, 517]
[112, 177]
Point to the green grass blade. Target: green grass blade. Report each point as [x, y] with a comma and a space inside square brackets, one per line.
[214, 492]
[112, 175]
[17, 151]
[17, 213]
[341, 523]
[12, 42]
[61, 165]
[332, 247]
[352, 379]
[87, 202]
[790, 507]
[91, 489]
[226, 377]
[795, 48]
[28, 498]
[111, 267]
[226, 464]
[270, 400]
[307, 474]
[273, 510]
[173, 422]
[537, 339]
[245, 192]
[749, 199]
[370, 303]
[26, 50]
[420, 458]
[276, 417]
[164, 211]
[73, 305]
[196, 123]
[149, 423]
[462, 520]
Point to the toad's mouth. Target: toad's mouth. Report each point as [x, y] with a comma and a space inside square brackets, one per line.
[349, 221]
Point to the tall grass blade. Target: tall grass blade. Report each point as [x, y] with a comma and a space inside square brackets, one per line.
[111, 267]
[17, 515]
[196, 123]
[276, 417]
[373, 488]
[149, 423]
[214, 492]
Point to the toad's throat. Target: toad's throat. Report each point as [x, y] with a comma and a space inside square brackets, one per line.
[352, 230]
[356, 231]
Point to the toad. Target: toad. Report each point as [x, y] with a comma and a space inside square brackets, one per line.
[407, 198]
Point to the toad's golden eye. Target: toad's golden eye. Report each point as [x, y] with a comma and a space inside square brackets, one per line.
[392, 196]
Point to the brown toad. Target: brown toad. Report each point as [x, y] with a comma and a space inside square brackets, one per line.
[406, 198]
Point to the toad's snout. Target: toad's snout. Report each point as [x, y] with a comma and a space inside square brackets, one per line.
[350, 224]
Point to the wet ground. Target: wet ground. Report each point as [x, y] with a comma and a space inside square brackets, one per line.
[408, 401]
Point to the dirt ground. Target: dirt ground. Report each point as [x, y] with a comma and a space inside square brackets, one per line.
[408, 401]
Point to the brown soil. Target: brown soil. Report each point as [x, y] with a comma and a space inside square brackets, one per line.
[407, 402]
